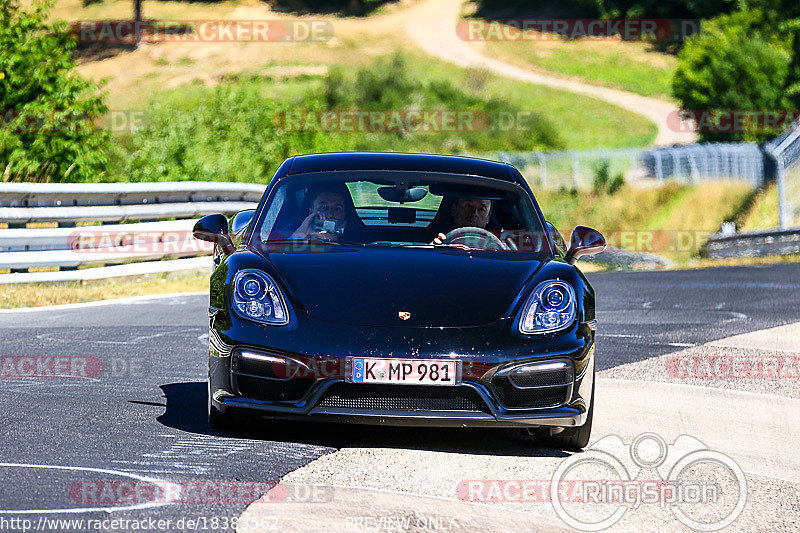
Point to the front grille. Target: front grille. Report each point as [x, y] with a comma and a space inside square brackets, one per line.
[515, 398]
[271, 390]
[532, 388]
[402, 398]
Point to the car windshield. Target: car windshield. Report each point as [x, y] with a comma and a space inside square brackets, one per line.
[401, 209]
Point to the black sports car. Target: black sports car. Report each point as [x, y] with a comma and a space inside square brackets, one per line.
[401, 289]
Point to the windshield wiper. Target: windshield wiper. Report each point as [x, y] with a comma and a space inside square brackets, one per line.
[311, 241]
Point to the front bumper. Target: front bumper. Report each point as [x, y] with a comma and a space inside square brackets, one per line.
[567, 416]
[229, 394]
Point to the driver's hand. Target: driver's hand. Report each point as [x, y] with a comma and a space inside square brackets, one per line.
[439, 239]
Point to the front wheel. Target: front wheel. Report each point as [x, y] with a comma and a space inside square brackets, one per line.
[574, 439]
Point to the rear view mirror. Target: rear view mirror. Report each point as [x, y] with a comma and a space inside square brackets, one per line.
[395, 194]
[214, 228]
[585, 241]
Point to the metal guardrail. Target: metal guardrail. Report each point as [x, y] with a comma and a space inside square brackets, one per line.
[82, 194]
[136, 247]
[754, 244]
[116, 213]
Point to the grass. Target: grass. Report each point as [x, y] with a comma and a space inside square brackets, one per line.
[581, 122]
[630, 66]
[152, 71]
[764, 212]
[633, 66]
[19, 295]
[671, 220]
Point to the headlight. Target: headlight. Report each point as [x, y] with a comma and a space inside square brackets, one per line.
[256, 297]
[551, 307]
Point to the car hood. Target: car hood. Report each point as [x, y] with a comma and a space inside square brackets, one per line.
[376, 286]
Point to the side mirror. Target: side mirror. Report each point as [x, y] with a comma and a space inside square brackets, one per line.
[214, 228]
[585, 241]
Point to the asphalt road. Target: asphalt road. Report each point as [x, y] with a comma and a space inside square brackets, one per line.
[143, 411]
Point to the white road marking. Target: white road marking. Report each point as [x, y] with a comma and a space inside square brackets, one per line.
[54, 337]
[146, 505]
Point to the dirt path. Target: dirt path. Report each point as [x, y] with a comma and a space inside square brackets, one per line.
[431, 24]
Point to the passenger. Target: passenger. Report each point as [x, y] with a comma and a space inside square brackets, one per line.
[328, 213]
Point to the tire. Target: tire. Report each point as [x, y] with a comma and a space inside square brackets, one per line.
[572, 439]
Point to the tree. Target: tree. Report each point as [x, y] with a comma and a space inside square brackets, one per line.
[47, 112]
[732, 65]
[782, 19]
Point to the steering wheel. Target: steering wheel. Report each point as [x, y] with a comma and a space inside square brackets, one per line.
[475, 237]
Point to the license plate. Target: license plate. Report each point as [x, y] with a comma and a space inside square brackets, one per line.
[404, 371]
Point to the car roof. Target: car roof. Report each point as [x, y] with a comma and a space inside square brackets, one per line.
[450, 164]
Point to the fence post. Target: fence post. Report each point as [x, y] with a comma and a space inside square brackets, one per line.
[659, 166]
[783, 208]
[677, 173]
[576, 179]
[780, 177]
[542, 170]
[693, 172]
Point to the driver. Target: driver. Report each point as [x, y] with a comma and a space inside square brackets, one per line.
[472, 212]
[467, 212]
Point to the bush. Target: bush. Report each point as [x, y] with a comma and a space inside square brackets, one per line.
[603, 182]
[47, 112]
[235, 133]
[232, 134]
[389, 84]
